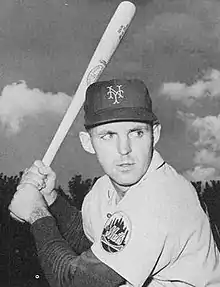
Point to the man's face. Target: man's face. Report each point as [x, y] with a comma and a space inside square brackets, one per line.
[124, 150]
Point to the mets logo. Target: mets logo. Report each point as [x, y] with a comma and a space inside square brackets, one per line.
[115, 94]
[116, 233]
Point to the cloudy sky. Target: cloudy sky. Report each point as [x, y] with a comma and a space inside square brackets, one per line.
[45, 47]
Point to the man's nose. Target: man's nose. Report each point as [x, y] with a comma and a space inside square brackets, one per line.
[124, 145]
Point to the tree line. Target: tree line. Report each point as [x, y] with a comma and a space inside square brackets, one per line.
[19, 265]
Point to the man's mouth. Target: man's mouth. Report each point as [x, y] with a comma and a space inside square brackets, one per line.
[125, 164]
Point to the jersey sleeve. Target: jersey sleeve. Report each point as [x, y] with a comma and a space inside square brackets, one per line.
[133, 244]
[69, 222]
[62, 266]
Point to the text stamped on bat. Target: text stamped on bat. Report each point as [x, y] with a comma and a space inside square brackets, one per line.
[96, 72]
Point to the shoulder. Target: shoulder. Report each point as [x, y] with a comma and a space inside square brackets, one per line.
[102, 182]
[174, 186]
[170, 195]
[168, 178]
[176, 183]
[161, 173]
[97, 189]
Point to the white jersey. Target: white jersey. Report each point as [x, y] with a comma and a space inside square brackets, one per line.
[157, 231]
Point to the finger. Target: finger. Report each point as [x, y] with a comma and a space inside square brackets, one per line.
[41, 167]
[33, 174]
[50, 173]
[25, 171]
[36, 182]
[36, 179]
[47, 171]
[39, 185]
[39, 163]
[34, 169]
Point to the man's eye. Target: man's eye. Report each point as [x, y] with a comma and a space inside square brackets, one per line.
[107, 136]
[137, 133]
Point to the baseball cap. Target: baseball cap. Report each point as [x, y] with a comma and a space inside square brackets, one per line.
[118, 100]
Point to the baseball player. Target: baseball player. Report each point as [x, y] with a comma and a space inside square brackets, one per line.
[141, 223]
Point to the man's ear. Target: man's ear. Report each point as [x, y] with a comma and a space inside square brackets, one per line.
[86, 142]
[156, 133]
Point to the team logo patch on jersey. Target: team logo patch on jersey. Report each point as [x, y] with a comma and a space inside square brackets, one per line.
[116, 233]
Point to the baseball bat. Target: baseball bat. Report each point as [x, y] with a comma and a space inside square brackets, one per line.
[102, 55]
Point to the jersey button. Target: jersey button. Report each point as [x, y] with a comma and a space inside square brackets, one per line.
[109, 215]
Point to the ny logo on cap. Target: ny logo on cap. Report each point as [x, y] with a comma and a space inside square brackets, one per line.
[115, 95]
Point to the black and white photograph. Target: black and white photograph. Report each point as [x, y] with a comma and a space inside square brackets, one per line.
[109, 143]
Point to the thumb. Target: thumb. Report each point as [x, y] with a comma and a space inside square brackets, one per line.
[51, 175]
[50, 178]
[47, 171]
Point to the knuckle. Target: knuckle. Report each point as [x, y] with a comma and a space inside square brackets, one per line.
[42, 170]
[37, 162]
[31, 170]
[25, 171]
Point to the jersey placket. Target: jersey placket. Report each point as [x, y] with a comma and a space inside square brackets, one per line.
[111, 204]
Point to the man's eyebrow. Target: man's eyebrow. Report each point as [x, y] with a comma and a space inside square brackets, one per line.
[105, 131]
[140, 127]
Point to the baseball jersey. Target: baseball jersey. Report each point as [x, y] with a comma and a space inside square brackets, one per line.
[158, 230]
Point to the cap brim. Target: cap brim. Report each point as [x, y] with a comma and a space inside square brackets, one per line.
[121, 114]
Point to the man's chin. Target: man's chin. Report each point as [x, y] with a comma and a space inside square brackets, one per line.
[125, 182]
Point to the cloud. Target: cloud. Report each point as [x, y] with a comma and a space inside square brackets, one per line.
[188, 118]
[205, 135]
[200, 173]
[208, 130]
[17, 102]
[208, 86]
[208, 158]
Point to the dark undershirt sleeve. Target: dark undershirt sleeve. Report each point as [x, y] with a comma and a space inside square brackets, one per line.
[63, 267]
[70, 225]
